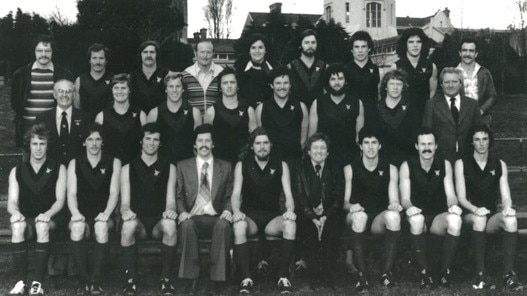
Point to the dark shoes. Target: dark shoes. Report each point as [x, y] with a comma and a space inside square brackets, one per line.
[426, 281]
[246, 286]
[361, 285]
[192, 287]
[481, 282]
[510, 282]
[83, 289]
[387, 280]
[284, 286]
[130, 288]
[167, 288]
[445, 279]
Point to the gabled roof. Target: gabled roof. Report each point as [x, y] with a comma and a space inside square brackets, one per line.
[413, 21]
[260, 18]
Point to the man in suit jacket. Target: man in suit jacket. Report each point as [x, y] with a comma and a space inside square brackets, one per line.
[452, 116]
[203, 190]
[66, 124]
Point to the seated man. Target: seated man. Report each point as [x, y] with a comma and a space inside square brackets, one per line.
[148, 208]
[371, 197]
[37, 190]
[93, 193]
[480, 180]
[203, 188]
[259, 180]
[427, 194]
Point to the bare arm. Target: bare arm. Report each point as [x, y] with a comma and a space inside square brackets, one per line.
[210, 113]
[76, 95]
[313, 118]
[259, 115]
[142, 118]
[348, 176]
[12, 197]
[197, 117]
[286, 185]
[114, 188]
[448, 182]
[152, 115]
[71, 187]
[360, 121]
[405, 186]
[433, 81]
[236, 197]
[252, 119]
[506, 200]
[393, 191]
[99, 118]
[126, 210]
[305, 123]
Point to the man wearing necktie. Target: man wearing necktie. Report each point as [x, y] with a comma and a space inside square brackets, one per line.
[452, 116]
[203, 190]
[66, 123]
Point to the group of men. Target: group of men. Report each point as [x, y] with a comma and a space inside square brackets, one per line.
[313, 165]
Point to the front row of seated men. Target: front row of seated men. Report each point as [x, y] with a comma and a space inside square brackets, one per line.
[201, 197]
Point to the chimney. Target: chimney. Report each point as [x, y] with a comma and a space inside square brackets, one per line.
[203, 33]
[447, 12]
[197, 36]
[276, 7]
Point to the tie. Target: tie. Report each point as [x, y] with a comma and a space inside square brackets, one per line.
[204, 188]
[64, 126]
[453, 109]
[317, 170]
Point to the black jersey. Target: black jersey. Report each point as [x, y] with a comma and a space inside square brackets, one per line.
[284, 126]
[370, 188]
[147, 93]
[148, 186]
[177, 131]
[363, 84]
[95, 95]
[307, 84]
[338, 122]
[427, 188]
[418, 80]
[36, 190]
[253, 84]
[483, 185]
[231, 127]
[93, 185]
[261, 188]
[122, 133]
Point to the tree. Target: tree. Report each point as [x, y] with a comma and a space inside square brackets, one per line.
[218, 14]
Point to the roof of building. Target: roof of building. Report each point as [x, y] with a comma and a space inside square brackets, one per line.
[220, 45]
[413, 21]
[260, 18]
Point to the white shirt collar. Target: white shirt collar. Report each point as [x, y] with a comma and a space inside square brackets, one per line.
[215, 69]
[458, 101]
[251, 65]
[58, 117]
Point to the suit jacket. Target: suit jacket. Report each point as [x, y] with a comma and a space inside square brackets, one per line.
[187, 185]
[439, 118]
[78, 126]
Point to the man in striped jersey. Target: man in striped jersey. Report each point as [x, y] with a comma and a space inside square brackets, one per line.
[32, 87]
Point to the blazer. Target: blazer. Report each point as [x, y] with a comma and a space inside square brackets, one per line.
[78, 126]
[187, 185]
[438, 117]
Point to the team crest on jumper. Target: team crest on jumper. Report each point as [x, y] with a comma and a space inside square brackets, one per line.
[381, 173]
[423, 69]
[493, 172]
[437, 172]
[107, 81]
[134, 115]
[348, 106]
[156, 173]
[403, 107]
[158, 79]
[185, 112]
[48, 170]
[77, 122]
[240, 112]
[317, 69]
[371, 70]
[272, 171]
[292, 107]
[103, 171]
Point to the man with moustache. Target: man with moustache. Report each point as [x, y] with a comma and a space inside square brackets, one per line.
[363, 75]
[146, 83]
[148, 209]
[32, 86]
[203, 191]
[372, 200]
[37, 191]
[481, 184]
[428, 196]
[93, 193]
[201, 79]
[284, 118]
[452, 116]
[477, 79]
[92, 89]
[339, 115]
[66, 124]
[307, 70]
[260, 178]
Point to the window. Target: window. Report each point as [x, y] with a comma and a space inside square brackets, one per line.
[373, 15]
[347, 12]
[328, 13]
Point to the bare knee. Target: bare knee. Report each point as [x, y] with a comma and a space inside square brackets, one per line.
[358, 221]
[101, 231]
[479, 223]
[18, 230]
[77, 230]
[510, 224]
[289, 229]
[454, 224]
[417, 224]
[392, 220]
[240, 232]
[42, 229]
[128, 232]
[169, 228]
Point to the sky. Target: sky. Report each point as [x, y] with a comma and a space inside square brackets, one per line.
[472, 14]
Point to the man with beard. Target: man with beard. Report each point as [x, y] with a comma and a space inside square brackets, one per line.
[146, 83]
[148, 209]
[427, 195]
[372, 200]
[203, 191]
[480, 180]
[92, 89]
[363, 75]
[32, 86]
[338, 115]
[260, 178]
[477, 79]
[452, 116]
[37, 191]
[307, 71]
[284, 118]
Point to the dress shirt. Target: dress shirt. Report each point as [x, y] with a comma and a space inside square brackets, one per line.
[58, 118]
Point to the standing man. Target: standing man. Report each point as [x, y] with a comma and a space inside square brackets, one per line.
[260, 179]
[284, 117]
[93, 193]
[363, 75]
[32, 86]
[203, 191]
[452, 116]
[37, 191]
[413, 50]
[92, 89]
[148, 209]
[477, 79]
[66, 124]
[201, 79]
[482, 184]
[146, 83]
[372, 200]
[427, 195]
[307, 71]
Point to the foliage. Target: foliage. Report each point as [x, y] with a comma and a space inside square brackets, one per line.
[218, 14]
